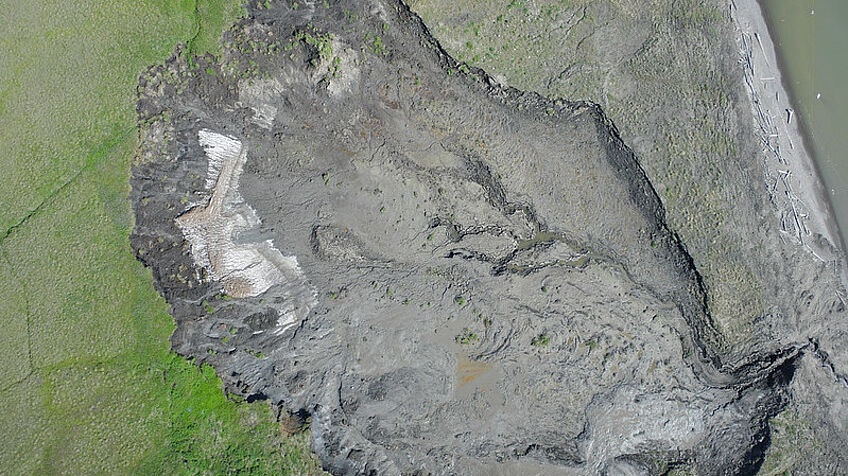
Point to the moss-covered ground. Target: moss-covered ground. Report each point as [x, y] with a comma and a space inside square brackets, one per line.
[89, 384]
[792, 437]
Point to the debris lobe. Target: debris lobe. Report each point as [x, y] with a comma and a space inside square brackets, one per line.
[449, 276]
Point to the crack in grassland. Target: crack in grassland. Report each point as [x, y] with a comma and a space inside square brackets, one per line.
[94, 159]
[198, 28]
[8, 264]
[66, 177]
[99, 153]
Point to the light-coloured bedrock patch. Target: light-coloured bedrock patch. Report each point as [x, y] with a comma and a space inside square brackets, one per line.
[259, 95]
[223, 234]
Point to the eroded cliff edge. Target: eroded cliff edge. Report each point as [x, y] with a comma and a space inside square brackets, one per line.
[448, 275]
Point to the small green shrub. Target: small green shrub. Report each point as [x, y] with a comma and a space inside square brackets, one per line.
[541, 340]
[467, 337]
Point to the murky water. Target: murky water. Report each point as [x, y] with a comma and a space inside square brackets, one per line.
[812, 41]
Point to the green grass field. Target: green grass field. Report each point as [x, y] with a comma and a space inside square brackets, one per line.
[89, 383]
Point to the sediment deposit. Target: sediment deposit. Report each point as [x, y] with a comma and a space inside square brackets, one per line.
[443, 274]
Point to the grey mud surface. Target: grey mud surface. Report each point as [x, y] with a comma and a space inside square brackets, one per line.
[443, 275]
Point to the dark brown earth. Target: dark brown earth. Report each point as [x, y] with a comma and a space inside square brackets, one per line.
[461, 278]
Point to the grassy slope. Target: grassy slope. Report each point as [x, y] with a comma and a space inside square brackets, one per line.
[653, 72]
[89, 383]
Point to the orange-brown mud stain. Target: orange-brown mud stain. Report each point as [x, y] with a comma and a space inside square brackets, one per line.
[468, 370]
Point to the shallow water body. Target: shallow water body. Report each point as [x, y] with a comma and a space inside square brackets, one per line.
[811, 37]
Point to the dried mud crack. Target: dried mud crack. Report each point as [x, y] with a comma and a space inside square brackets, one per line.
[449, 276]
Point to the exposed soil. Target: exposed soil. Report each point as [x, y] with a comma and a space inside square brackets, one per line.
[446, 275]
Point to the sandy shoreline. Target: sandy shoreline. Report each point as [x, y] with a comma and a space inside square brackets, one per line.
[792, 177]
